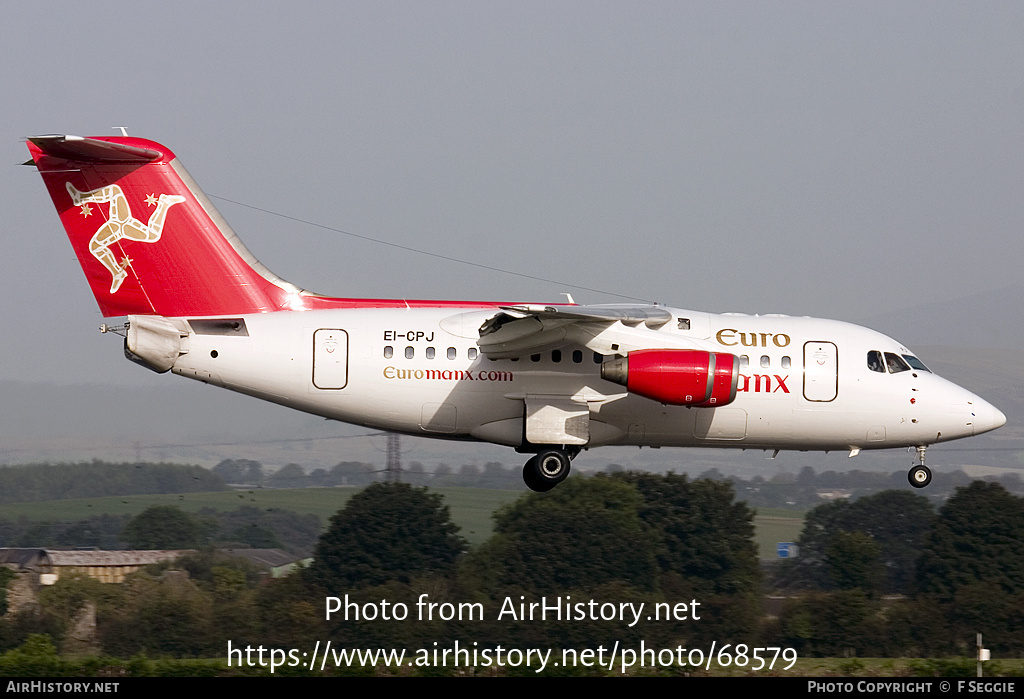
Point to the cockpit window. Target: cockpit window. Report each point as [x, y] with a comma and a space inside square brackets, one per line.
[916, 363]
[875, 361]
[895, 363]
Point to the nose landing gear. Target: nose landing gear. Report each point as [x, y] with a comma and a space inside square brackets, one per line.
[920, 475]
[547, 469]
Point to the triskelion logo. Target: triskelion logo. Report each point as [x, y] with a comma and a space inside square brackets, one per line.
[120, 224]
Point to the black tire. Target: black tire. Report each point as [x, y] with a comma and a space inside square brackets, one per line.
[530, 477]
[546, 470]
[919, 476]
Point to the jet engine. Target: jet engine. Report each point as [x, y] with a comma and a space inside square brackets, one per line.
[677, 376]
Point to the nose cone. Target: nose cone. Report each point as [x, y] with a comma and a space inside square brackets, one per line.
[987, 417]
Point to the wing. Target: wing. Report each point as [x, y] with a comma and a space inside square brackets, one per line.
[522, 330]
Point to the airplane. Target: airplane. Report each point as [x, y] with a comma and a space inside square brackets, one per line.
[549, 380]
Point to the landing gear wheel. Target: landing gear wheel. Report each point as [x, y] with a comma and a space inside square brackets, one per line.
[546, 470]
[919, 476]
[531, 478]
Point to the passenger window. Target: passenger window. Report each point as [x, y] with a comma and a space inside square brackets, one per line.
[534, 357]
[895, 363]
[410, 352]
[389, 352]
[765, 361]
[786, 362]
[430, 353]
[556, 356]
[451, 353]
[577, 356]
[875, 361]
[744, 361]
[598, 358]
[472, 353]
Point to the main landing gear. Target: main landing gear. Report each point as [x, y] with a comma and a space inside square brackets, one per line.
[920, 475]
[547, 469]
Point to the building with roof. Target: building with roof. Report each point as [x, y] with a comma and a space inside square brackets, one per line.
[48, 565]
[105, 566]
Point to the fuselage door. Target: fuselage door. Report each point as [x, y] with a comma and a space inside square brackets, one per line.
[330, 359]
[821, 371]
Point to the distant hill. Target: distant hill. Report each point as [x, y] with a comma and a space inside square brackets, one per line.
[990, 319]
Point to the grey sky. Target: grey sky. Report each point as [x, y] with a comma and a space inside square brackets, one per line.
[830, 159]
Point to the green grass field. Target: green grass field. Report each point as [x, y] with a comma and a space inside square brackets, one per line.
[773, 526]
[471, 508]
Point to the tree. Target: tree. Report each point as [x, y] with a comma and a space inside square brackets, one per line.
[631, 535]
[704, 535]
[162, 527]
[231, 470]
[896, 521]
[829, 624]
[853, 562]
[583, 540]
[579, 536]
[240, 471]
[255, 536]
[388, 531]
[288, 476]
[976, 538]
[351, 473]
[163, 617]
[36, 657]
[273, 528]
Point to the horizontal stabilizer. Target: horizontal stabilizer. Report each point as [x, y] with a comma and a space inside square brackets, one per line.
[93, 150]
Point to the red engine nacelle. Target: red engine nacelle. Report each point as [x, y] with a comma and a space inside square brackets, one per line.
[677, 376]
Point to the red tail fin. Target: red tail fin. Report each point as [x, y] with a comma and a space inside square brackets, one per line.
[148, 239]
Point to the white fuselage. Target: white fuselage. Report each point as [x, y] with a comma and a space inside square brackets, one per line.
[804, 383]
